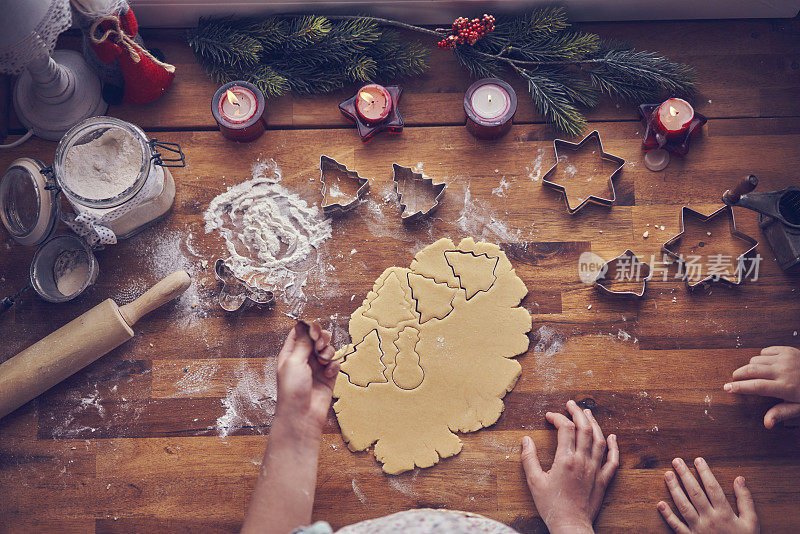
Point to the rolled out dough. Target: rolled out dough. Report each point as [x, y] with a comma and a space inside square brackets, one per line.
[431, 354]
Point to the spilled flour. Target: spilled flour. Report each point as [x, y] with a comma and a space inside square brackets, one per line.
[548, 341]
[269, 232]
[478, 221]
[250, 402]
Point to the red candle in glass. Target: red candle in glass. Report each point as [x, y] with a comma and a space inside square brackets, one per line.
[373, 103]
[490, 105]
[673, 117]
[238, 107]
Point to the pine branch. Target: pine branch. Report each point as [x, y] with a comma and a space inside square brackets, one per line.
[554, 102]
[218, 41]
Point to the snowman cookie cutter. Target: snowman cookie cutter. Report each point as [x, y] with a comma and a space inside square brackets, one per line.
[235, 292]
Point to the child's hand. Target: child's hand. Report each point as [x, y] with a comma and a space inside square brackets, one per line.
[305, 383]
[707, 511]
[774, 373]
[569, 496]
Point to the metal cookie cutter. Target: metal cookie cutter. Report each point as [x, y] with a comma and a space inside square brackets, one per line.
[327, 164]
[625, 267]
[725, 211]
[235, 292]
[401, 176]
[567, 145]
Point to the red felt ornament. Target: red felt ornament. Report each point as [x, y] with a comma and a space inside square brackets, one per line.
[146, 77]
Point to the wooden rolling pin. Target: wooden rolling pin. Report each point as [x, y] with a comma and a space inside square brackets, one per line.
[78, 343]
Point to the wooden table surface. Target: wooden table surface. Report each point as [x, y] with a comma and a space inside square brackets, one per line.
[166, 433]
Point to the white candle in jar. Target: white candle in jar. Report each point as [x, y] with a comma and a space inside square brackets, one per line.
[490, 101]
[238, 104]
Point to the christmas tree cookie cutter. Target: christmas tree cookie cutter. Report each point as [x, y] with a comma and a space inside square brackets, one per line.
[617, 269]
[329, 165]
[670, 247]
[405, 175]
[575, 147]
[235, 291]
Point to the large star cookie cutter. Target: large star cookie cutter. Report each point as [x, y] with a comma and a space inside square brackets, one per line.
[625, 267]
[402, 176]
[235, 291]
[574, 147]
[670, 246]
[327, 165]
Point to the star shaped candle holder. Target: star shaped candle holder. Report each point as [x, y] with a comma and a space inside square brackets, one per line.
[652, 138]
[676, 248]
[566, 146]
[393, 122]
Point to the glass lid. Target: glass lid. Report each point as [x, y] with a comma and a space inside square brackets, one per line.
[102, 162]
[28, 209]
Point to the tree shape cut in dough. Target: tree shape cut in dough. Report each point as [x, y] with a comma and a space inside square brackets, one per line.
[433, 300]
[466, 358]
[363, 366]
[407, 373]
[392, 306]
[475, 272]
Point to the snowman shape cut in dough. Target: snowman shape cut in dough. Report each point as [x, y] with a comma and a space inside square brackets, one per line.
[447, 330]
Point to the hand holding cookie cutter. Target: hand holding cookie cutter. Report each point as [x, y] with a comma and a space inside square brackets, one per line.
[235, 292]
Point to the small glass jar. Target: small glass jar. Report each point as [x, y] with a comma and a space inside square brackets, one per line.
[144, 200]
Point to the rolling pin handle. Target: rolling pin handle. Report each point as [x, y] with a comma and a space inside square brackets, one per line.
[745, 185]
[164, 291]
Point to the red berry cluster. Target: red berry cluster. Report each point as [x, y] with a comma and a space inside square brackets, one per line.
[467, 31]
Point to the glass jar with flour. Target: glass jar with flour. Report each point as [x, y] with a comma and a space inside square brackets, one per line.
[115, 178]
[117, 182]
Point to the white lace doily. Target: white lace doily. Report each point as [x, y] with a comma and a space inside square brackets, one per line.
[40, 41]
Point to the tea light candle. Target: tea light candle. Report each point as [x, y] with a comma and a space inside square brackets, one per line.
[673, 117]
[238, 107]
[373, 103]
[490, 105]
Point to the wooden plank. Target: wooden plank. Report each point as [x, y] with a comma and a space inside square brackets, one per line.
[166, 433]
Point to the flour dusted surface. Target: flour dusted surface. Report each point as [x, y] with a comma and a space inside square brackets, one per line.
[268, 230]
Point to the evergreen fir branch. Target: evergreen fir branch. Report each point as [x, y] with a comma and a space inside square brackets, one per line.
[479, 66]
[554, 103]
[362, 69]
[306, 31]
[538, 25]
[218, 41]
[573, 85]
[398, 60]
[564, 46]
[639, 75]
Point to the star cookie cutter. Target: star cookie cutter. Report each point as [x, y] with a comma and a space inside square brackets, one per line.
[404, 174]
[616, 269]
[328, 164]
[235, 291]
[669, 246]
[567, 145]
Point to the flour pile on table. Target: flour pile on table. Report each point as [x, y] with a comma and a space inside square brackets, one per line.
[269, 232]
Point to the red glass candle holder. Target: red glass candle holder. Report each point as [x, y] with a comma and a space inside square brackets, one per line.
[490, 127]
[653, 137]
[252, 123]
[393, 122]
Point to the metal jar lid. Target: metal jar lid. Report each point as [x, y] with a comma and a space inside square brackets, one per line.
[29, 205]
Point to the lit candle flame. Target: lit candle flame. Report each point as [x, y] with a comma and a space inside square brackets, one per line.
[489, 97]
[231, 98]
[366, 97]
[673, 111]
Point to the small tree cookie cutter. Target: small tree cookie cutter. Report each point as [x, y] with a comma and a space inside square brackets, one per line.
[611, 269]
[669, 246]
[574, 147]
[235, 291]
[327, 164]
[403, 174]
